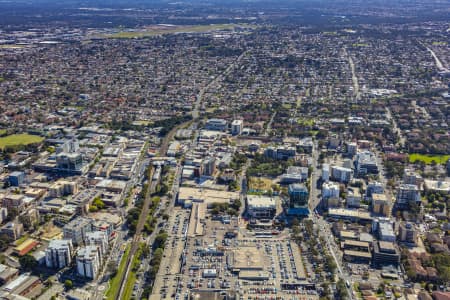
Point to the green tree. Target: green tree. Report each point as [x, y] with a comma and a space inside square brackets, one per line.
[28, 262]
[68, 284]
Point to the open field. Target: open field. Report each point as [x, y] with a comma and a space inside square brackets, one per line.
[428, 159]
[2, 131]
[114, 284]
[259, 184]
[159, 30]
[19, 139]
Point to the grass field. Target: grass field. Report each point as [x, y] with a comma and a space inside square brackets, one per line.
[259, 184]
[19, 139]
[128, 291]
[305, 122]
[114, 284]
[2, 131]
[428, 159]
[159, 30]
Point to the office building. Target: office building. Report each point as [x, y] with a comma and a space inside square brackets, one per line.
[298, 199]
[69, 162]
[385, 254]
[16, 178]
[58, 254]
[88, 261]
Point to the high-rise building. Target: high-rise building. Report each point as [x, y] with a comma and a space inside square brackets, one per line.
[325, 172]
[381, 205]
[330, 190]
[374, 188]
[58, 254]
[99, 239]
[76, 230]
[236, 127]
[366, 163]
[298, 199]
[408, 194]
[341, 174]
[88, 261]
[407, 233]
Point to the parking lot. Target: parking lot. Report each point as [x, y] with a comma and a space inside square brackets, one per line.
[259, 268]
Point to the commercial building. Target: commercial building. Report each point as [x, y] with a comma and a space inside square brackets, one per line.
[216, 124]
[349, 214]
[88, 261]
[261, 207]
[25, 247]
[58, 254]
[341, 174]
[385, 253]
[76, 230]
[236, 127]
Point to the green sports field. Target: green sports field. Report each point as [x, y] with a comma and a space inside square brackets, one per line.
[428, 159]
[19, 139]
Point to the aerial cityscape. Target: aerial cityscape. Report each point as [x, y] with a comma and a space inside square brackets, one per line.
[235, 150]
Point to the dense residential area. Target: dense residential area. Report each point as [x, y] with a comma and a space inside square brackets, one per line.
[195, 151]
